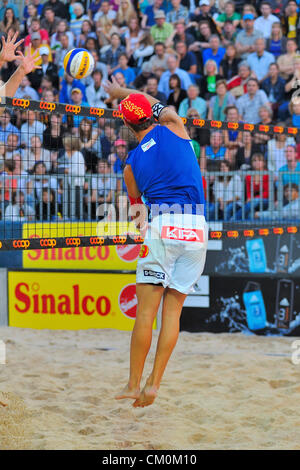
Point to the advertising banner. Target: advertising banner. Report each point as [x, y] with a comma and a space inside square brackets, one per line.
[95, 257]
[71, 301]
[246, 304]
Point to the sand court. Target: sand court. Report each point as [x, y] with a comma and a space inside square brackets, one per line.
[220, 391]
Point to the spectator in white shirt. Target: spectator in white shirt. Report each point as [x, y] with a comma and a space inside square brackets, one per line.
[105, 10]
[264, 23]
[30, 128]
[95, 93]
[26, 90]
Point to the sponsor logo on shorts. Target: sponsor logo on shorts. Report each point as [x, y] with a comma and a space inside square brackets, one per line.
[182, 234]
[157, 274]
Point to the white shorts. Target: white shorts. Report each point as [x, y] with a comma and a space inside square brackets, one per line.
[174, 252]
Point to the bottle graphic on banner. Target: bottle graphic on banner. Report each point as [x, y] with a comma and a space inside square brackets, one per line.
[256, 255]
[284, 253]
[255, 306]
[284, 303]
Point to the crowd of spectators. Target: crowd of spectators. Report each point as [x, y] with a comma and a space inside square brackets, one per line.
[209, 59]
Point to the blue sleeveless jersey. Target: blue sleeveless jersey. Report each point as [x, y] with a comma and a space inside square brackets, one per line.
[166, 171]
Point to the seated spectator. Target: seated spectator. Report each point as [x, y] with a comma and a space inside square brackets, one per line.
[193, 100]
[228, 194]
[294, 120]
[61, 52]
[141, 80]
[60, 9]
[290, 210]
[77, 100]
[219, 102]
[76, 23]
[35, 27]
[36, 46]
[31, 127]
[53, 134]
[57, 38]
[229, 14]
[215, 52]
[36, 153]
[265, 22]
[12, 146]
[41, 180]
[238, 85]
[124, 13]
[67, 85]
[86, 34]
[118, 157]
[229, 33]
[132, 36]
[246, 149]
[152, 89]
[209, 81]
[172, 63]
[177, 12]
[266, 119]
[50, 21]
[290, 172]
[9, 21]
[90, 145]
[18, 210]
[188, 61]
[93, 8]
[277, 150]
[246, 38]
[6, 127]
[290, 20]
[203, 13]
[260, 60]
[104, 29]
[143, 51]
[107, 138]
[105, 10]
[46, 208]
[274, 87]
[161, 30]
[112, 53]
[158, 61]
[149, 13]
[230, 63]
[232, 138]
[250, 103]
[292, 90]
[286, 61]
[32, 13]
[95, 93]
[180, 34]
[276, 43]
[177, 94]
[47, 68]
[103, 186]
[128, 72]
[212, 154]
[37, 4]
[257, 189]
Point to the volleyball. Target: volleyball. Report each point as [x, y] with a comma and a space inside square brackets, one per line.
[79, 63]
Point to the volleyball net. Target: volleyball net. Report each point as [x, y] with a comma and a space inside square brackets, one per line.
[61, 176]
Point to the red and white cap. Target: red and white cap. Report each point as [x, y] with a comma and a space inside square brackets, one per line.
[135, 108]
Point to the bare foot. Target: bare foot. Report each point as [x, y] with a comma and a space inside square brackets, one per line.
[147, 396]
[128, 392]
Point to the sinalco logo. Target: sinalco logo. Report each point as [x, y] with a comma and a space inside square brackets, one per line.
[20, 103]
[21, 244]
[48, 106]
[70, 108]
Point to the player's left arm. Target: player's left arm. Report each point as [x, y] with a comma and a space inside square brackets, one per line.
[130, 182]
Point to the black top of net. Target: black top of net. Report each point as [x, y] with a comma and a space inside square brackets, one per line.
[87, 111]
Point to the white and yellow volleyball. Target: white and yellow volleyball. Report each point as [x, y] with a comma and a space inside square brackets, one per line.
[79, 63]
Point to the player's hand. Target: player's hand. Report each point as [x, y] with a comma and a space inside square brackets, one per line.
[112, 88]
[9, 46]
[28, 62]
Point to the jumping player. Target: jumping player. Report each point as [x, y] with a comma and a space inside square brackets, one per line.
[164, 171]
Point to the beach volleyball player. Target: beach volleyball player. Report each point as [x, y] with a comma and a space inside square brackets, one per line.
[164, 172]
